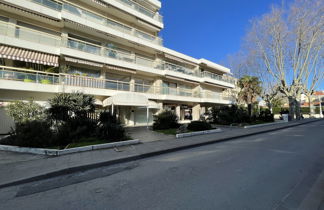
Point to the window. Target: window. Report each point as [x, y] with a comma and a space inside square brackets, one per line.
[117, 82]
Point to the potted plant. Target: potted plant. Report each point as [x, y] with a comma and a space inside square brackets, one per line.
[27, 79]
[46, 81]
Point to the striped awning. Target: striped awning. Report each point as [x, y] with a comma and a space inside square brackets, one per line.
[116, 68]
[80, 61]
[20, 54]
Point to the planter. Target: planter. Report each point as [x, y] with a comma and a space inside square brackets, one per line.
[29, 80]
[46, 81]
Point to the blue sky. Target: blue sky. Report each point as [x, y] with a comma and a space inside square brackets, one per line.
[209, 29]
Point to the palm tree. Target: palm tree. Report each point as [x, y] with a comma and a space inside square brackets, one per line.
[250, 90]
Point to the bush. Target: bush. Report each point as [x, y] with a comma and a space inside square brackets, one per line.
[109, 128]
[66, 105]
[199, 126]
[22, 112]
[266, 116]
[227, 115]
[165, 120]
[74, 130]
[31, 134]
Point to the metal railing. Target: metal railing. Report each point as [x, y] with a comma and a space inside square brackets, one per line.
[141, 9]
[28, 76]
[40, 77]
[217, 77]
[21, 32]
[49, 3]
[90, 16]
[35, 36]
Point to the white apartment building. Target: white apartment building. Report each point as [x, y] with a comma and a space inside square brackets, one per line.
[106, 48]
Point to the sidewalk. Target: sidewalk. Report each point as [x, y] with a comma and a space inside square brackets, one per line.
[40, 167]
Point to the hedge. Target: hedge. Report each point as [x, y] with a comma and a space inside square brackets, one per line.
[304, 110]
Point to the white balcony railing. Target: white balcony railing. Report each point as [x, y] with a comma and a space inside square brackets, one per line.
[35, 36]
[141, 9]
[90, 16]
[49, 3]
[28, 34]
[40, 77]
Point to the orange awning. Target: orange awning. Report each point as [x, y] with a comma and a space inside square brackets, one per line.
[20, 54]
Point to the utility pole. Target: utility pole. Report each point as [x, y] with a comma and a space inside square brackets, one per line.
[320, 106]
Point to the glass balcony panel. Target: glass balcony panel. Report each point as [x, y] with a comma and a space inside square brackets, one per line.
[49, 3]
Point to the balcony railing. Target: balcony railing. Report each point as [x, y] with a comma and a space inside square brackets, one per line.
[49, 3]
[108, 52]
[23, 33]
[28, 76]
[141, 9]
[217, 77]
[39, 77]
[32, 35]
[110, 23]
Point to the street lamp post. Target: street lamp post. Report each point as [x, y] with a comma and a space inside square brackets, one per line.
[320, 106]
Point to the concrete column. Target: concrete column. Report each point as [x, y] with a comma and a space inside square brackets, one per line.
[178, 111]
[131, 121]
[132, 84]
[12, 30]
[196, 112]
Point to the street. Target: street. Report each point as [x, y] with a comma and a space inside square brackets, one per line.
[275, 170]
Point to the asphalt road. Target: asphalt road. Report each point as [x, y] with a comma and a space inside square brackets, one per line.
[277, 170]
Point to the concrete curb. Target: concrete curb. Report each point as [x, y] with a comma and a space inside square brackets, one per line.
[139, 156]
[57, 152]
[182, 135]
[264, 124]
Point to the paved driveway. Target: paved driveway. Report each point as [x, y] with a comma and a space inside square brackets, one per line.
[146, 134]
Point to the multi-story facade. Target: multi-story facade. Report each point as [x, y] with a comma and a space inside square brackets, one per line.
[106, 48]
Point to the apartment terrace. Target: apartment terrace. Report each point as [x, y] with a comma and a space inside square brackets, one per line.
[45, 78]
[24, 33]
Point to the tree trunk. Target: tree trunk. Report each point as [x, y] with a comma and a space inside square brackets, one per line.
[291, 108]
[311, 110]
[297, 109]
[250, 110]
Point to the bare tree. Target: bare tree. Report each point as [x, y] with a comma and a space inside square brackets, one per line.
[287, 43]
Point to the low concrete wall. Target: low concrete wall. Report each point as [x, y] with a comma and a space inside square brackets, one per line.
[264, 124]
[56, 152]
[182, 135]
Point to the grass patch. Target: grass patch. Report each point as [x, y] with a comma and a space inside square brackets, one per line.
[171, 131]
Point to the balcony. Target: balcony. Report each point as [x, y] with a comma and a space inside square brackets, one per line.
[49, 4]
[28, 76]
[217, 77]
[111, 24]
[142, 10]
[34, 36]
[28, 34]
[38, 77]
[108, 52]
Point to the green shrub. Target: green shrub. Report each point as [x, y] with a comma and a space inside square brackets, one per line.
[165, 120]
[74, 130]
[66, 105]
[109, 128]
[199, 126]
[22, 112]
[227, 115]
[31, 134]
[266, 116]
